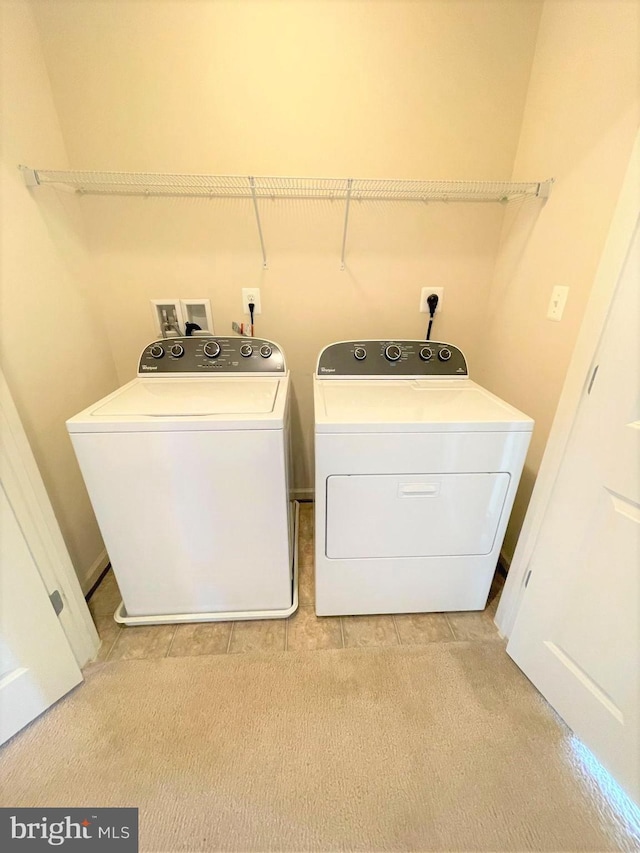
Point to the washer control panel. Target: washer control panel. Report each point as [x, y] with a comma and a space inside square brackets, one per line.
[389, 359]
[211, 355]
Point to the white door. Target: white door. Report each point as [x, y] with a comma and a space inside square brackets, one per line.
[37, 665]
[577, 634]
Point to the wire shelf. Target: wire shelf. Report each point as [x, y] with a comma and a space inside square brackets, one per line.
[258, 188]
[237, 186]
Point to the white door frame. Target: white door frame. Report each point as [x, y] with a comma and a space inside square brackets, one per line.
[30, 502]
[579, 374]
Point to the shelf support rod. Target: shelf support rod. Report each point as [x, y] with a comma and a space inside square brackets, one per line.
[252, 183]
[346, 222]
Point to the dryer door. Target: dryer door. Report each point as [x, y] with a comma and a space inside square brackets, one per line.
[413, 515]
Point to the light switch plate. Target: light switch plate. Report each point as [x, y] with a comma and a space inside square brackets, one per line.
[558, 300]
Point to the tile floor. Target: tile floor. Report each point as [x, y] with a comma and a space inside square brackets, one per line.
[304, 631]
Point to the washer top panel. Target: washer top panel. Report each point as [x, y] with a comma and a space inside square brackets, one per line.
[188, 403]
[211, 356]
[391, 359]
[192, 397]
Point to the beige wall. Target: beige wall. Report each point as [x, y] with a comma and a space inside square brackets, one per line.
[359, 88]
[580, 121]
[379, 88]
[51, 328]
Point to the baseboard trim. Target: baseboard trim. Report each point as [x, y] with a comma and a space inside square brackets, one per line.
[301, 494]
[504, 563]
[95, 570]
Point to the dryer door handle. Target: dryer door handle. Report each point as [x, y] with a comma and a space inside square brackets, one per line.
[418, 490]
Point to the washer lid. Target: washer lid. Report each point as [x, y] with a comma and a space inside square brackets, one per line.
[188, 397]
[188, 403]
[413, 406]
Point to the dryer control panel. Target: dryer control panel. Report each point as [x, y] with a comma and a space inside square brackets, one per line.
[211, 355]
[389, 359]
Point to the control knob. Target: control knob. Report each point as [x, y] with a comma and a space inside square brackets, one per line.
[177, 350]
[426, 353]
[246, 350]
[444, 354]
[392, 352]
[156, 351]
[360, 353]
[211, 349]
[265, 350]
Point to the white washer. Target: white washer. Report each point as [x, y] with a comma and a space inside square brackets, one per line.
[187, 470]
[416, 472]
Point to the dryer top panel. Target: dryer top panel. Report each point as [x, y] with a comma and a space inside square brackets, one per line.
[391, 359]
[412, 405]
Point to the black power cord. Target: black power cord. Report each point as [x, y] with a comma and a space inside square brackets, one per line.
[432, 302]
[251, 306]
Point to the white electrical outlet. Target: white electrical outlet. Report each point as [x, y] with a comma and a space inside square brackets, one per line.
[251, 294]
[426, 293]
[557, 302]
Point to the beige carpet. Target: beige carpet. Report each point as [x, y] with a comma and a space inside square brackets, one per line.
[443, 747]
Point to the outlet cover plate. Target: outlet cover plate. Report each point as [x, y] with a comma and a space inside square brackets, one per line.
[426, 293]
[251, 294]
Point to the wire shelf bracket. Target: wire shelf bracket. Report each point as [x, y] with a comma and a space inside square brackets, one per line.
[257, 188]
[346, 224]
[252, 182]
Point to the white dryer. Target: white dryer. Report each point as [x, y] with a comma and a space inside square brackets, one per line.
[187, 470]
[416, 472]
